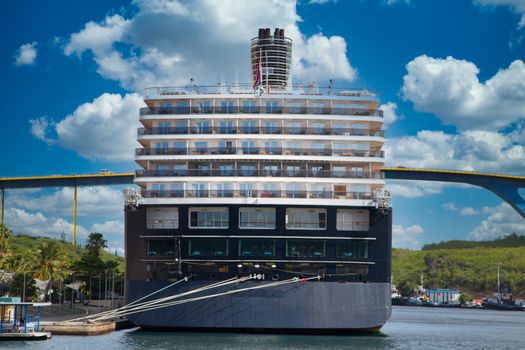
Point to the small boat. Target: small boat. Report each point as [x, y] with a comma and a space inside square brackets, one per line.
[21, 321]
[503, 300]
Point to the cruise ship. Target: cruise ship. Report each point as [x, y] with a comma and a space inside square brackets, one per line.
[275, 189]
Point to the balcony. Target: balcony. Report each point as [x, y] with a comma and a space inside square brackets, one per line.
[256, 150]
[260, 110]
[255, 194]
[273, 130]
[262, 173]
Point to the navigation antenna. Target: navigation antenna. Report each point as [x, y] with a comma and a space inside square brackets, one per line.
[131, 197]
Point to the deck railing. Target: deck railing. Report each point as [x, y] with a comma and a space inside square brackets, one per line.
[277, 130]
[260, 110]
[256, 150]
[236, 193]
[261, 173]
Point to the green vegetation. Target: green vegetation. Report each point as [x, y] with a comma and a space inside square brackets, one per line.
[95, 243]
[472, 270]
[512, 240]
[32, 258]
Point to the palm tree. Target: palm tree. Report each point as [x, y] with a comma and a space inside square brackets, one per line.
[50, 261]
[5, 235]
[19, 262]
[95, 242]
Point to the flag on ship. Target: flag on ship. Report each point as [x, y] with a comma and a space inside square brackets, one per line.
[258, 79]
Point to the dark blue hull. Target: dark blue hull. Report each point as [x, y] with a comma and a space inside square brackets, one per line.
[311, 307]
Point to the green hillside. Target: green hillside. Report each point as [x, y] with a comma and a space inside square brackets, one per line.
[510, 241]
[473, 270]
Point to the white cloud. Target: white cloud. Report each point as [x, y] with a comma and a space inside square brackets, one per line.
[450, 89]
[472, 150]
[414, 189]
[100, 200]
[109, 228]
[96, 37]
[395, 2]
[26, 54]
[320, 2]
[517, 5]
[389, 113]
[450, 206]
[39, 128]
[167, 43]
[37, 224]
[468, 211]
[502, 220]
[104, 129]
[406, 237]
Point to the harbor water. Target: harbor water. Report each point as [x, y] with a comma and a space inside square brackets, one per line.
[409, 328]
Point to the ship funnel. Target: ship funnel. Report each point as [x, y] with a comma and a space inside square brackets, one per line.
[275, 55]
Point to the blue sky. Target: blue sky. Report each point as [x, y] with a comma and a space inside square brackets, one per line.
[450, 75]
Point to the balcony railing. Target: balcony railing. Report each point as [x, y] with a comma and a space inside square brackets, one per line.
[254, 194]
[262, 173]
[260, 110]
[256, 150]
[277, 130]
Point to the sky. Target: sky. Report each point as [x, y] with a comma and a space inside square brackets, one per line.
[450, 75]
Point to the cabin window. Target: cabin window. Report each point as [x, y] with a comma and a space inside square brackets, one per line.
[352, 249]
[306, 248]
[264, 248]
[257, 218]
[249, 106]
[161, 247]
[352, 220]
[208, 218]
[208, 247]
[312, 219]
[162, 218]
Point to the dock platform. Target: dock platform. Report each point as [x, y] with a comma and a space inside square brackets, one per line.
[25, 336]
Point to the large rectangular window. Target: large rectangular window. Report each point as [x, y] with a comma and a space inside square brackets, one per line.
[162, 218]
[257, 218]
[208, 217]
[257, 248]
[305, 248]
[208, 247]
[161, 247]
[352, 220]
[311, 219]
[352, 249]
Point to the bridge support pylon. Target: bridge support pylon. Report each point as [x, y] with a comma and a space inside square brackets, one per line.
[74, 236]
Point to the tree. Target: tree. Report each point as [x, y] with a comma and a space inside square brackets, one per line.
[465, 298]
[94, 243]
[19, 262]
[17, 286]
[50, 261]
[5, 235]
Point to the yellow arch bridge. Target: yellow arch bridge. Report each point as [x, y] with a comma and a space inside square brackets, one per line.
[510, 188]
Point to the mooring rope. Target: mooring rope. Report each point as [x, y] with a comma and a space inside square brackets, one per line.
[185, 279]
[134, 305]
[179, 302]
[147, 304]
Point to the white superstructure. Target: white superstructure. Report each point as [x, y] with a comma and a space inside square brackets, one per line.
[274, 144]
